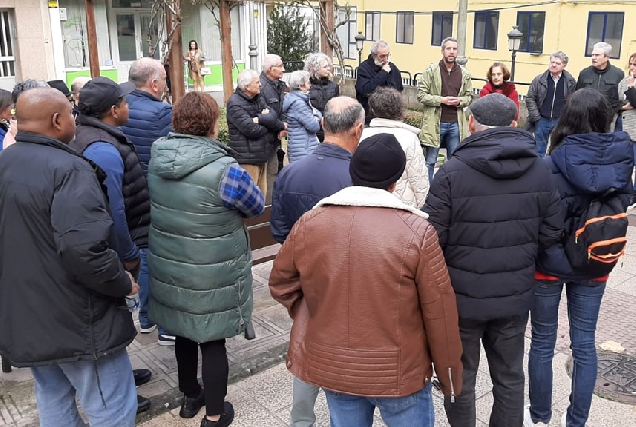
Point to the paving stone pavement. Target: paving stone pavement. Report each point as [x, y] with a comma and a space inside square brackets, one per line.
[262, 393]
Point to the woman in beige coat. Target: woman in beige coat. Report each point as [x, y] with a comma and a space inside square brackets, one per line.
[387, 105]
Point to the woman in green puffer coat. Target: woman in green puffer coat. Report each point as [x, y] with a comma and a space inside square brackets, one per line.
[199, 252]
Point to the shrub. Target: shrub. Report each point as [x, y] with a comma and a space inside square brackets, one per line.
[224, 134]
[413, 118]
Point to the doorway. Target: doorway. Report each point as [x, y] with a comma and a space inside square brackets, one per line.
[135, 32]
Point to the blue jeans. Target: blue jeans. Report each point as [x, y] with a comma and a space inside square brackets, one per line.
[110, 376]
[415, 410]
[449, 134]
[584, 302]
[542, 130]
[144, 292]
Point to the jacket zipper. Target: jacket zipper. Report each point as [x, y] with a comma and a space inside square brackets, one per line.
[556, 84]
[450, 379]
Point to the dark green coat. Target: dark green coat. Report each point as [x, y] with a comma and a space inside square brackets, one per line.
[199, 254]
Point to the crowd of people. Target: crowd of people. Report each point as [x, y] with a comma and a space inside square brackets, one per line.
[393, 273]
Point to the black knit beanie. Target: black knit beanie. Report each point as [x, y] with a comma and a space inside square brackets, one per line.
[378, 162]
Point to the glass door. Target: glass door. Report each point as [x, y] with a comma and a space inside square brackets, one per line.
[149, 34]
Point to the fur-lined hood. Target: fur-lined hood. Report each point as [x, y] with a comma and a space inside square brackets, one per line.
[368, 197]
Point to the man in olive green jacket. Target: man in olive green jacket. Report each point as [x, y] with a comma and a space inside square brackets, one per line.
[444, 96]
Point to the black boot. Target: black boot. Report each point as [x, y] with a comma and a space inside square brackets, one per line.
[142, 376]
[143, 404]
[225, 420]
[191, 405]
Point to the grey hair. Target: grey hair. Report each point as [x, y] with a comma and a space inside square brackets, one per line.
[313, 63]
[244, 78]
[448, 39]
[78, 84]
[375, 46]
[341, 120]
[26, 85]
[270, 60]
[143, 71]
[561, 55]
[297, 79]
[605, 47]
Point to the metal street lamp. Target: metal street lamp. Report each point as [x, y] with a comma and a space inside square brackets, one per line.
[514, 41]
[360, 38]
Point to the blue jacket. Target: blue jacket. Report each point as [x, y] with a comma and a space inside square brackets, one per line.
[585, 166]
[302, 184]
[149, 120]
[303, 122]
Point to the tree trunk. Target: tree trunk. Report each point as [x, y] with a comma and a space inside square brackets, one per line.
[93, 57]
[226, 49]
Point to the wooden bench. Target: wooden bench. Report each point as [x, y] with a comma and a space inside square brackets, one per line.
[264, 247]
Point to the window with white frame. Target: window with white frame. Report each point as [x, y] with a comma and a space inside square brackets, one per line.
[405, 27]
[75, 36]
[372, 25]
[347, 32]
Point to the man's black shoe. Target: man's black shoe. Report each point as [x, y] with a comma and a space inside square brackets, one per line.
[225, 420]
[143, 404]
[191, 405]
[142, 376]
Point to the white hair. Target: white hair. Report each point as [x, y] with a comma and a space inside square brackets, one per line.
[314, 61]
[145, 70]
[375, 46]
[245, 78]
[298, 79]
[78, 84]
[270, 60]
[605, 47]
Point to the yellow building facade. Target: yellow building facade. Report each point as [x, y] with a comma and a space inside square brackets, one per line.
[414, 28]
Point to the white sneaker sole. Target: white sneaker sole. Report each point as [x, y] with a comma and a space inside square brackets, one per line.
[148, 330]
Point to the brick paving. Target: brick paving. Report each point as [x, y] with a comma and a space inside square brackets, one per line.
[262, 396]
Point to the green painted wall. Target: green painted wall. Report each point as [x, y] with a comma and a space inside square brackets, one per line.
[71, 75]
[215, 78]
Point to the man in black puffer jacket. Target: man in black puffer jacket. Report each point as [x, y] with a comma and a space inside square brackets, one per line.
[603, 76]
[494, 205]
[253, 127]
[62, 287]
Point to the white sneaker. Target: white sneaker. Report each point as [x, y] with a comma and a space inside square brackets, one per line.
[527, 419]
[564, 419]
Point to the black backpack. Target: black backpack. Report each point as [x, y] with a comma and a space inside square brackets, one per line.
[598, 239]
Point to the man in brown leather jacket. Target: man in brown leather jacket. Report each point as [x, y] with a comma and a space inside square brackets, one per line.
[365, 281]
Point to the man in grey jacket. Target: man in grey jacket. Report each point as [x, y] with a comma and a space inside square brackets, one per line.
[546, 98]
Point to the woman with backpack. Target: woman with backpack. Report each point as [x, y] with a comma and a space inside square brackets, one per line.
[593, 170]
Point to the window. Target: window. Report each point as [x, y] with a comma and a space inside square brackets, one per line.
[486, 27]
[347, 32]
[75, 35]
[405, 27]
[531, 24]
[442, 27]
[372, 26]
[605, 27]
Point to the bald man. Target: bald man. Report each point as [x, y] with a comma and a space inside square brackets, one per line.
[62, 287]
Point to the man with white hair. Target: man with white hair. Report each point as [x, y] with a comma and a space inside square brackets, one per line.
[253, 127]
[376, 71]
[273, 90]
[77, 85]
[604, 77]
[149, 119]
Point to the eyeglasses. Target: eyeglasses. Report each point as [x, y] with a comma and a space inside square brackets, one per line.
[385, 56]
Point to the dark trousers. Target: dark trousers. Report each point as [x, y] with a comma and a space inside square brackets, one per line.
[214, 371]
[503, 341]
